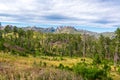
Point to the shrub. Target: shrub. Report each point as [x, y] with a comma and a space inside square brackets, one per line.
[23, 54]
[61, 58]
[67, 68]
[96, 59]
[44, 64]
[119, 70]
[90, 72]
[80, 69]
[106, 67]
[61, 66]
[83, 60]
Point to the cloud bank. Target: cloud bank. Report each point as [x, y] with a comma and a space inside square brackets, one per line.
[91, 13]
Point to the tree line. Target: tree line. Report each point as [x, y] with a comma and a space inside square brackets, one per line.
[17, 41]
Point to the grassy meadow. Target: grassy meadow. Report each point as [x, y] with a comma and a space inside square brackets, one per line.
[13, 67]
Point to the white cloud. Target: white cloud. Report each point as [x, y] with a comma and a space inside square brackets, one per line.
[96, 13]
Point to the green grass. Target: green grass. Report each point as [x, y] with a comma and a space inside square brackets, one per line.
[13, 65]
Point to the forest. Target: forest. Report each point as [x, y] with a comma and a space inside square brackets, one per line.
[97, 58]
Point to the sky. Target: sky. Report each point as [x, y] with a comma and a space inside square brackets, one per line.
[93, 15]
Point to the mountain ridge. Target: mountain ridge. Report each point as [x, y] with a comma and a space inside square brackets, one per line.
[68, 30]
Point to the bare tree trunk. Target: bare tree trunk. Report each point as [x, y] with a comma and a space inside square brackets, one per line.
[84, 45]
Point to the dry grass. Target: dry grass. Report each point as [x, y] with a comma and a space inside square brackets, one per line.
[19, 66]
[29, 68]
[28, 61]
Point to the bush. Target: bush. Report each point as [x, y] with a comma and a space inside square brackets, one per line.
[96, 59]
[80, 69]
[119, 70]
[61, 66]
[106, 67]
[61, 58]
[37, 53]
[44, 64]
[67, 68]
[22, 54]
[90, 72]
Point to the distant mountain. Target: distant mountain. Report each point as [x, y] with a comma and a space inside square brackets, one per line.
[72, 30]
[44, 30]
[108, 34]
[66, 29]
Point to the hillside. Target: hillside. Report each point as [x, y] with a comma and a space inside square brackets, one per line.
[27, 51]
[72, 30]
[66, 29]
